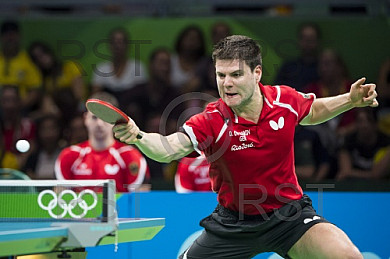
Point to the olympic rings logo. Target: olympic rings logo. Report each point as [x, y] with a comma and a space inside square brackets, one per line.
[67, 208]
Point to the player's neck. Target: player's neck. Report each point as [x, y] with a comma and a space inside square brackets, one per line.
[99, 145]
[252, 109]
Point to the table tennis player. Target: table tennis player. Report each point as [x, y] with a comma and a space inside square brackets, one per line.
[102, 156]
[247, 136]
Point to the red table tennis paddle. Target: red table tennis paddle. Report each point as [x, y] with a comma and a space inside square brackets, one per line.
[107, 112]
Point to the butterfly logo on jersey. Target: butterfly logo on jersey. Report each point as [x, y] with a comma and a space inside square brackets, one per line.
[111, 169]
[277, 125]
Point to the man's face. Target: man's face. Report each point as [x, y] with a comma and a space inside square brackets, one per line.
[10, 102]
[328, 66]
[97, 128]
[308, 41]
[236, 82]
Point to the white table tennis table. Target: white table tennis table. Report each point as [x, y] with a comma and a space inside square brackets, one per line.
[22, 238]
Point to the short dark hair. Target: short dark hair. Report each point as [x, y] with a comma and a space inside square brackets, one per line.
[238, 47]
[9, 26]
[105, 96]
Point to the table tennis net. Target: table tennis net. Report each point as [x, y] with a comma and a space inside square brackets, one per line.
[46, 200]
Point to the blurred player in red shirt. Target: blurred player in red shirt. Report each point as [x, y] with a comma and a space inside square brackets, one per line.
[192, 175]
[102, 157]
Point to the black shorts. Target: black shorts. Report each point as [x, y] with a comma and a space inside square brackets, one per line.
[229, 235]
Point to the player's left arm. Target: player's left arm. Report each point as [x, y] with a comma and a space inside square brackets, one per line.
[323, 109]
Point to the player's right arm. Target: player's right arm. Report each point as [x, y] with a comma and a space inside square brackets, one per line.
[156, 146]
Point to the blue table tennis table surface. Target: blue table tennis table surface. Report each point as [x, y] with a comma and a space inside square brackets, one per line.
[29, 237]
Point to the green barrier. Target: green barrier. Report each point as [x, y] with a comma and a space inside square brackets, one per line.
[358, 39]
[21, 205]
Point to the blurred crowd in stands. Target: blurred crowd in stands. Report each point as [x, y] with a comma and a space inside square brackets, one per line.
[42, 101]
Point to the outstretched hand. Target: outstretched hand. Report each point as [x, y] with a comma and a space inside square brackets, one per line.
[126, 132]
[362, 95]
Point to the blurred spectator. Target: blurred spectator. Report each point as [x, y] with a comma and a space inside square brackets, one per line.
[383, 85]
[103, 157]
[16, 67]
[366, 152]
[383, 88]
[7, 158]
[189, 64]
[75, 131]
[62, 81]
[299, 72]
[14, 125]
[40, 163]
[311, 157]
[147, 102]
[219, 31]
[193, 175]
[333, 80]
[120, 73]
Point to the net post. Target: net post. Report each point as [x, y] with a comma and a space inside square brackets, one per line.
[109, 203]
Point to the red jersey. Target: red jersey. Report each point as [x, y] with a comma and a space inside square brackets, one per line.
[192, 175]
[252, 164]
[121, 162]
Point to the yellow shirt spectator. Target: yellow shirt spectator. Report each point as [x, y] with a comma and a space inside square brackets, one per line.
[9, 160]
[70, 71]
[21, 72]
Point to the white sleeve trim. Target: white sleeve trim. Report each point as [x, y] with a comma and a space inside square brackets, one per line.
[192, 136]
[179, 188]
[286, 105]
[58, 171]
[311, 106]
[117, 157]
